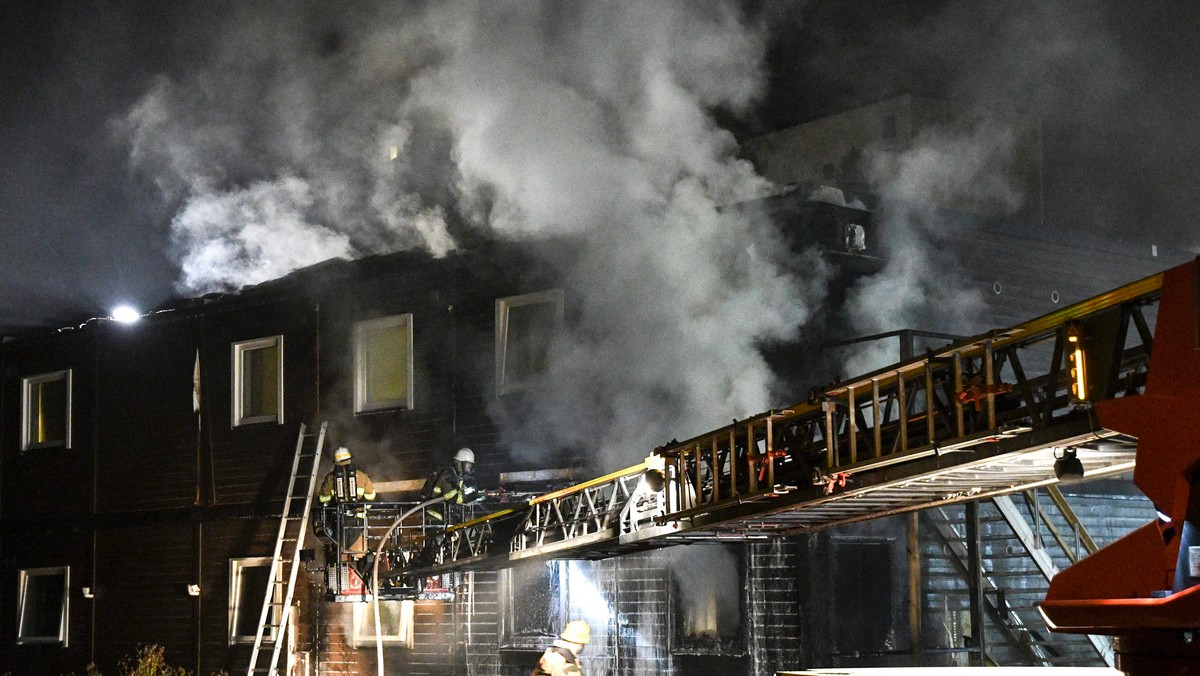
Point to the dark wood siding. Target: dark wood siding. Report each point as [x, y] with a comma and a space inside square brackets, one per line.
[146, 425]
[51, 482]
[142, 573]
[45, 549]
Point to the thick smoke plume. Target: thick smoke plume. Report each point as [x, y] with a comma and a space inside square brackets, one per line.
[305, 136]
[916, 290]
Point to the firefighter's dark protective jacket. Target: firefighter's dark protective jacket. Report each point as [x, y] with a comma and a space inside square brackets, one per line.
[452, 487]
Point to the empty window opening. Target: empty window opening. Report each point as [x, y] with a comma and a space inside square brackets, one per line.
[525, 327]
[247, 589]
[383, 364]
[258, 381]
[534, 604]
[42, 605]
[46, 404]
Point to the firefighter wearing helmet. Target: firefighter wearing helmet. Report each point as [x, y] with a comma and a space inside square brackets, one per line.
[562, 657]
[455, 484]
[345, 483]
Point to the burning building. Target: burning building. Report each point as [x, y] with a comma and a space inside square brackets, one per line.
[144, 465]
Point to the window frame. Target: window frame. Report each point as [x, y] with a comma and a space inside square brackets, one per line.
[679, 641]
[503, 307]
[239, 349]
[234, 599]
[364, 615]
[361, 404]
[514, 637]
[27, 443]
[65, 614]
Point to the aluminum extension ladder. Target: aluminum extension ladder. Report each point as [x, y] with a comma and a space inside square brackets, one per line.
[293, 524]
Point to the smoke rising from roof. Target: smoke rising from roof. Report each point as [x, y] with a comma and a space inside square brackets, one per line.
[305, 136]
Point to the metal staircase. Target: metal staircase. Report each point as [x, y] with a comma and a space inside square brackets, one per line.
[1024, 539]
[285, 562]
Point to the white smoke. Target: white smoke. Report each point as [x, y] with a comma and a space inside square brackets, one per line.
[944, 168]
[528, 120]
[280, 150]
[596, 123]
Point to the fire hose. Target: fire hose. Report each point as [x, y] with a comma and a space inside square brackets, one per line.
[375, 576]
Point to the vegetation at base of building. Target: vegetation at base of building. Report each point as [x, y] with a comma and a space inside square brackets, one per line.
[149, 661]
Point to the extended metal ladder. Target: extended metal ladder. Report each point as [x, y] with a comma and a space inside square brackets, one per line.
[293, 524]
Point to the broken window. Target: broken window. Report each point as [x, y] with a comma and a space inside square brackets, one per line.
[247, 588]
[534, 604]
[258, 381]
[395, 621]
[707, 600]
[383, 361]
[46, 404]
[42, 605]
[525, 326]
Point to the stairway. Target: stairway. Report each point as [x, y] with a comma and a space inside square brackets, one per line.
[1015, 550]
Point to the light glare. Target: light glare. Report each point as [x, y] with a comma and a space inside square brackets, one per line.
[125, 314]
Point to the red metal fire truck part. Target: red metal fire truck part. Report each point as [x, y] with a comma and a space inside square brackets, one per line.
[1124, 589]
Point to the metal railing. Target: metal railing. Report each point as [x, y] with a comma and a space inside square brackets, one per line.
[1014, 386]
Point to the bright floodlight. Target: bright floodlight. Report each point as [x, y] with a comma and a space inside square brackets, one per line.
[125, 314]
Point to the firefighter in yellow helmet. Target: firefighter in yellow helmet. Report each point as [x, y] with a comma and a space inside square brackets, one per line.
[345, 483]
[562, 657]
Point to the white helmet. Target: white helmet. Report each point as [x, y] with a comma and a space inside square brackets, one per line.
[341, 455]
[465, 454]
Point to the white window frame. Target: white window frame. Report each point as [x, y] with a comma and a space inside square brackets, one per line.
[27, 384]
[239, 349]
[503, 306]
[64, 617]
[364, 625]
[236, 566]
[361, 404]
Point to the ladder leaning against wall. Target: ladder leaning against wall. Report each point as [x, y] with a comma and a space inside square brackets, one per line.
[285, 562]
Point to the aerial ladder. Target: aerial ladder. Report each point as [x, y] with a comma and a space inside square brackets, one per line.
[981, 417]
[1081, 392]
[276, 614]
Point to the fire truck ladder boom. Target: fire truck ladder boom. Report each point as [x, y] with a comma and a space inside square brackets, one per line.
[285, 562]
[986, 416]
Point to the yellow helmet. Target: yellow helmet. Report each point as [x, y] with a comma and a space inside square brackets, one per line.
[577, 631]
[342, 455]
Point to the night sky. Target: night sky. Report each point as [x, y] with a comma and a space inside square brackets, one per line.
[1115, 84]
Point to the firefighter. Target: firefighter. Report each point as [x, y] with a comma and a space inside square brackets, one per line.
[562, 657]
[345, 483]
[453, 484]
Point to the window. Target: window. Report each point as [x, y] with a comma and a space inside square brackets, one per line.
[46, 416]
[395, 619]
[525, 325]
[258, 381]
[707, 600]
[383, 363]
[247, 587]
[534, 604]
[42, 605]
